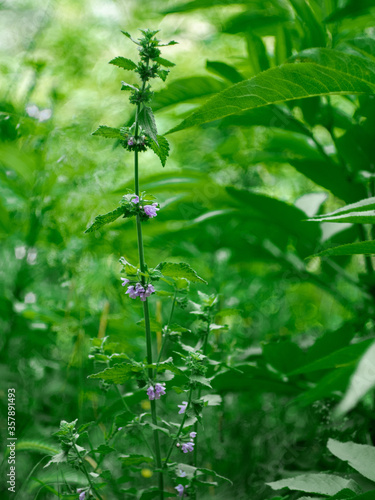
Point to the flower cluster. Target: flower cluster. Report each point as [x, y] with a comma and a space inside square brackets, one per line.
[138, 290]
[189, 446]
[149, 210]
[154, 392]
[180, 490]
[132, 143]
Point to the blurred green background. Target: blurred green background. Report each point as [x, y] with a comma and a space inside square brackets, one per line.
[234, 195]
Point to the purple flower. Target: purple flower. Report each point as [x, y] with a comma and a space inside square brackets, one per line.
[125, 281]
[185, 447]
[131, 141]
[193, 435]
[151, 393]
[180, 490]
[151, 210]
[82, 493]
[133, 294]
[183, 407]
[119, 429]
[135, 199]
[159, 390]
[181, 473]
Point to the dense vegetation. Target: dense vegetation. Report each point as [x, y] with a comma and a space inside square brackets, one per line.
[259, 248]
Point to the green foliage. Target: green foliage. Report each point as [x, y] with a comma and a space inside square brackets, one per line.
[180, 270]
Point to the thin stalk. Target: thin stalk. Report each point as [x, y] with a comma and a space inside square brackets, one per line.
[173, 444]
[86, 473]
[195, 456]
[146, 313]
[165, 336]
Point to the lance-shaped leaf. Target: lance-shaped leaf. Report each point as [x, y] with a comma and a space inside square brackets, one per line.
[359, 248]
[325, 484]
[161, 148]
[359, 206]
[135, 459]
[108, 132]
[367, 217]
[165, 62]
[123, 62]
[117, 374]
[179, 270]
[359, 456]
[362, 381]
[102, 220]
[315, 72]
[147, 122]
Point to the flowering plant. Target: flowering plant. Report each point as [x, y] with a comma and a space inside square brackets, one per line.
[190, 375]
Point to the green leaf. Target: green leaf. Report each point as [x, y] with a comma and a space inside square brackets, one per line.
[104, 449]
[161, 148]
[212, 399]
[350, 9]
[123, 62]
[163, 73]
[317, 72]
[147, 122]
[200, 380]
[360, 248]
[102, 220]
[343, 357]
[359, 206]
[209, 472]
[367, 217]
[359, 456]
[118, 374]
[324, 484]
[36, 446]
[128, 87]
[313, 30]
[108, 132]
[224, 70]
[135, 459]
[361, 382]
[180, 270]
[165, 62]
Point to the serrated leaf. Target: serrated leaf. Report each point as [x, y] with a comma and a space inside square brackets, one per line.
[59, 458]
[362, 381]
[318, 72]
[163, 73]
[102, 220]
[117, 374]
[359, 456]
[180, 270]
[129, 269]
[324, 484]
[161, 148]
[104, 449]
[146, 120]
[108, 132]
[359, 248]
[123, 62]
[201, 380]
[164, 62]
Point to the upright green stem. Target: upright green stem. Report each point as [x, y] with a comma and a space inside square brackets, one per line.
[86, 473]
[165, 336]
[146, 312]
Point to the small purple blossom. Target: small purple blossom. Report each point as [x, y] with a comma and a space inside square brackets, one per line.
[82, 493]
[140, 291]
[125, 281]
[154, 392]
[151, 393]
[151, 210]
[193, 435]
[159, 391]
[119, 429]
[131, 141]
[186, 447]
[135, 199]
[183, 407]
[180, 490]
[181, 473]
